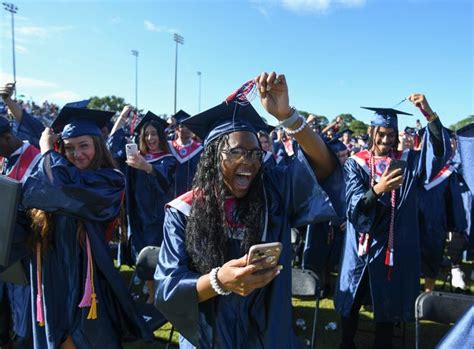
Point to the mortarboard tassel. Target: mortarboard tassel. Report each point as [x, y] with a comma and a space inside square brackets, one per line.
[89, 299]
[244, 94]
[39, 287]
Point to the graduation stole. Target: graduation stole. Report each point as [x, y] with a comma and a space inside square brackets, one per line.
[184, 153]
[442, 175]
[28, 158]
[152, 157]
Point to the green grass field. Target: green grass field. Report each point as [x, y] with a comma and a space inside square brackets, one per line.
[431, 333]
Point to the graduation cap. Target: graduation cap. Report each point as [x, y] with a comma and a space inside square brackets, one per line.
[4, 125]
[78, 104]
[180, 116]
[410, 130]
[149, 117]
[385, 117]
[74, 122]
[336, 145]
[224, 118]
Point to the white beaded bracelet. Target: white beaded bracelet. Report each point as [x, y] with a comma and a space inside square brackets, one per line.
[215, 285]
[297, 130]
[291, 119]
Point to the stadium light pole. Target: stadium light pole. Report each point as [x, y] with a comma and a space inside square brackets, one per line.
[135, 53]
[12, 9]
[199, 97]
[179, 40]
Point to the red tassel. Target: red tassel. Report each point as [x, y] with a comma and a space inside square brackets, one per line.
[387, 257]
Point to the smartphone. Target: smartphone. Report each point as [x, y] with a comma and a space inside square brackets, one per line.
[131, 149]
[268, 253]
[395, 164]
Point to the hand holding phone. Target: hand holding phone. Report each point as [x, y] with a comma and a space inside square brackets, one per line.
[397, 164]
[131, 149]
[266, 254]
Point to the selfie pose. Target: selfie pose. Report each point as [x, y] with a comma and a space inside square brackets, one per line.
[204, 283]
[78, 297]
[381, 255]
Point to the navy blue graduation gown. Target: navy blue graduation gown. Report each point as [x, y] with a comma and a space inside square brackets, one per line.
[188, 159]
[147, 195]
[393, 298]
[263, 318]
[92, 197]
[29, 129]
[19, 166]
[322, 249]
[116, 145]
[433, 221]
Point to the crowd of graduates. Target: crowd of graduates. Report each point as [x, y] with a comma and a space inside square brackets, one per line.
[376, 209]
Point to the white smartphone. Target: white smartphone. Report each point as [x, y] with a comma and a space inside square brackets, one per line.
[131, 149]
[268, 253]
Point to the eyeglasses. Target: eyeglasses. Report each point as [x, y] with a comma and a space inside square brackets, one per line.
[240, 154]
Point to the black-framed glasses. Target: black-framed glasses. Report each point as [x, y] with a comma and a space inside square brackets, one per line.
[239, 154]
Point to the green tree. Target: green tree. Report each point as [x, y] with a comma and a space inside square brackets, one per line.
[358, 127]
[347, 118]
[462, 123]
[112, 103]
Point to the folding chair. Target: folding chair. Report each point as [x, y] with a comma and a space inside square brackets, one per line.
[441, 307]
[305, 283]
[145, 270]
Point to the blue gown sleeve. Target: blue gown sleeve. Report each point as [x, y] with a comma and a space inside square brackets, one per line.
[308, 200]
[360, 200]
[176, 295]
[435, 152]
[59, 187]
[30, 129]
[164, 171]
[116, 143]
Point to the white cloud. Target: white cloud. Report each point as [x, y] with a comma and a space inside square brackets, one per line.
[21, 49]
[39, 32]
[66, 96]
[150, 26]
[319, 6]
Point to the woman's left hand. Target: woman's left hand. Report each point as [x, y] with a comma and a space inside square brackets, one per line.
[138, 161]
[274, 94]
[47, 140]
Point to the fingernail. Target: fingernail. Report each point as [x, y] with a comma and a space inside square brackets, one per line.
[277, 272]
[280, 267]
[269, 87]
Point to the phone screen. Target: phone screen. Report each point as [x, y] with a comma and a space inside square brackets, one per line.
[397, 164]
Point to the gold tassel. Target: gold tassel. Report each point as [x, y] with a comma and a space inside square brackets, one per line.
[93, 310]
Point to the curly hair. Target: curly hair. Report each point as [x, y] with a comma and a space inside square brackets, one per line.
[206, 239]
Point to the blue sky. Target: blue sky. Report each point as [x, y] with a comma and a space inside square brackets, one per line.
[337, 55]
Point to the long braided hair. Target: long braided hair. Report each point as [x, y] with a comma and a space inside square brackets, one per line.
[206, 239]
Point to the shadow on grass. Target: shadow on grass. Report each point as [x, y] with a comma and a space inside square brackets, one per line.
[431, 333]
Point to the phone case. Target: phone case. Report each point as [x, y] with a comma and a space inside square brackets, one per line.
[270, 252]
[131, 149]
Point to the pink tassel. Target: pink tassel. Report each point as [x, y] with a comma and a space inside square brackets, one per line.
[39, 287]
[87, 297]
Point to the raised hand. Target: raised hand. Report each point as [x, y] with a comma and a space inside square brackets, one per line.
[273, 92]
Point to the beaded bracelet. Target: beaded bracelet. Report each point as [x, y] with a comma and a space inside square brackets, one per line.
[215, 285]
[291, 119]
[297, 130]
